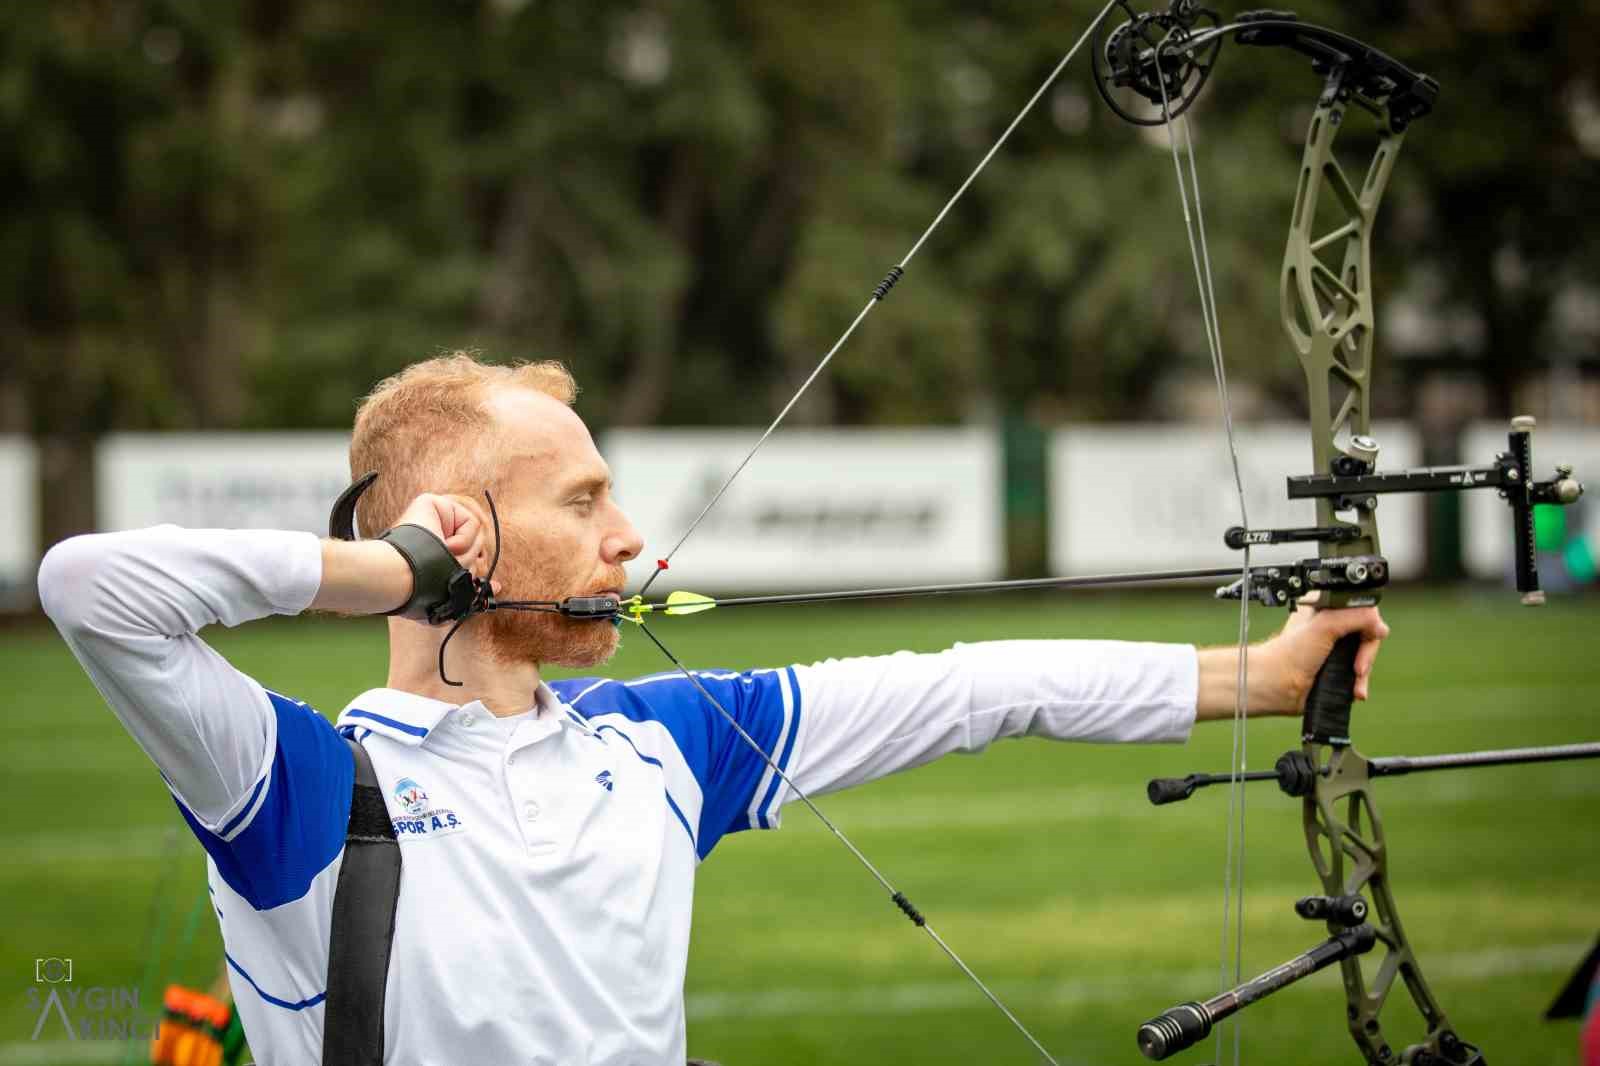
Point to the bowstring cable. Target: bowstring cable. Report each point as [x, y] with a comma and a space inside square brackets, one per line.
[878, 294]
[877, 297]
[895, 894]
[1241, 719]
[1200, 256]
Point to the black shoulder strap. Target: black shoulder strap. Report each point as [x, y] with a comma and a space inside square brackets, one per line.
[363, 926]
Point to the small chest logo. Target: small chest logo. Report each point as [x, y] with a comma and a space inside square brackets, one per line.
[411, 796]
[423, 817]
[603, 779]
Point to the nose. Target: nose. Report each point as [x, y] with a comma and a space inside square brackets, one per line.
[623, 542]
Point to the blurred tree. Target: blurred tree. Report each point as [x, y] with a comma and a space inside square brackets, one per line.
[244, 214]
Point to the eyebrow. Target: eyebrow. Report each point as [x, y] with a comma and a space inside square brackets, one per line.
[591, 483]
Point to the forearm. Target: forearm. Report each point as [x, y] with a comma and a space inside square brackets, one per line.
[362, 577]
[864, 718]
[1219, 684]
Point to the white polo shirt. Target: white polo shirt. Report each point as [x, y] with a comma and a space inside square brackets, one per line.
[548, 857]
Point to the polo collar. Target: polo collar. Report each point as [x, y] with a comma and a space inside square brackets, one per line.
[409, 718]
[548, 702]
[403, 716]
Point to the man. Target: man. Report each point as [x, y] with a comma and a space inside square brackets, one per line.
[550, 831]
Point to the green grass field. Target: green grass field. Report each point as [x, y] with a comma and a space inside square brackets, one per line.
[1088, 909]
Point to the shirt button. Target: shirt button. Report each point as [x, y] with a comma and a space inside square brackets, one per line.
[468, 719]
[530, 810]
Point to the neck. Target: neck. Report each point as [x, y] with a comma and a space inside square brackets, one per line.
[505, 689]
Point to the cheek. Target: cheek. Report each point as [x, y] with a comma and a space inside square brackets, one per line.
[541, 562]
[560, 534]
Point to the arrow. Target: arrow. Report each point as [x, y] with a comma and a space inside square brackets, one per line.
[683, 602]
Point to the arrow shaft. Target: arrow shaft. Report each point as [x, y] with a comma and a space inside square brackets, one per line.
[897, 592]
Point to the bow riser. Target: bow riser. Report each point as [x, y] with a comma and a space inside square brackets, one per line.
[1328, 316]
[1350, 854]
[1327, 313]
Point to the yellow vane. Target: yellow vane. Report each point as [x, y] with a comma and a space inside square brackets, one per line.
[681, 602]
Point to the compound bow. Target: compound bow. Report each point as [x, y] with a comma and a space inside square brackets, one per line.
[1327, 314]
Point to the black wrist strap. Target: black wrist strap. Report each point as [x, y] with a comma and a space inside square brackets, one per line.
[442, 590]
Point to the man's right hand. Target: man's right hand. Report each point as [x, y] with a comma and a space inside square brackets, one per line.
[371, 577]
[461, 523]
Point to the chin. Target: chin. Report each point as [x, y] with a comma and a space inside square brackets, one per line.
[557, 641]
[579, 654]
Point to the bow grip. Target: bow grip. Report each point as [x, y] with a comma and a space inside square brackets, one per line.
[1327, 715]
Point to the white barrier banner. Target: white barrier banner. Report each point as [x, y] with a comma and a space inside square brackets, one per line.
[816, 508]
[220, 480]
[19, 521]
[1486, 519]
[1160, 496]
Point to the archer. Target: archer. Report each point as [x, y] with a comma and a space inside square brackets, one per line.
[548, 832]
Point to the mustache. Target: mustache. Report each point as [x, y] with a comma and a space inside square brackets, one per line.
[616, 578]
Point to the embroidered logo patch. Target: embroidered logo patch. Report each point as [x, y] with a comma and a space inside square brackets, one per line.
[425, 819]
[603, 779]
[411, 796]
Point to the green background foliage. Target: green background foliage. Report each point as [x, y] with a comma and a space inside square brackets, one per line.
[243, 214]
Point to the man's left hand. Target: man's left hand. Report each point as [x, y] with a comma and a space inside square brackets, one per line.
[1290, 660]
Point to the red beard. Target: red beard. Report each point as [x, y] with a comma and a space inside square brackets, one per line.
[516, 637]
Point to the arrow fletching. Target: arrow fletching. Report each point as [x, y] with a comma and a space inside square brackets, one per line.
[681, 602]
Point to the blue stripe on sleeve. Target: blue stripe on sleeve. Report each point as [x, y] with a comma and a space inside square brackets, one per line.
[652, 761]
[274, 1000]
[250, 805]
[298, 828]
[728, 771]
[766, 811]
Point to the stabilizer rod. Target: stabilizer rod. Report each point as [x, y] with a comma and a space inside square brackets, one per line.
[1187, 1023]
[1292, 771]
